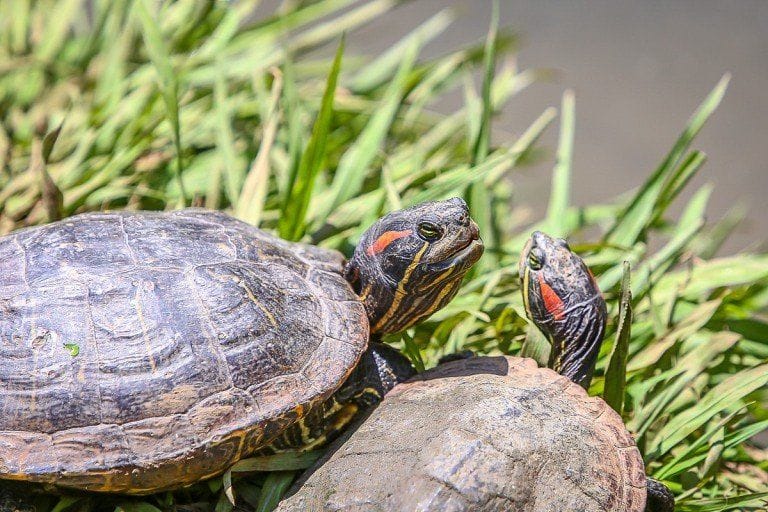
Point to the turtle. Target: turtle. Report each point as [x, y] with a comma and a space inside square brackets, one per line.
[145, 351]
[497, 433]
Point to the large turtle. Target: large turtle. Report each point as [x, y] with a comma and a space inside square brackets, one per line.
[497, 434]
[144, 351]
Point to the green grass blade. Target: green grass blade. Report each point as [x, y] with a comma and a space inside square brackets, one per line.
[691, 324]
[688, 458]
[347, 21]
[483, 142]
[489, 172]
[292, 218]
[284, 461]
[55, 32]
[473, 106]
[631, 223]
[536, 346]
[382, 68]
[226, 484]
[479, 199]
[66, 502]
[19, 24]
[720, 399]
[412, 351]
[226, 30]
[223, 504]
[715, 237]
[677, 182]
[757, 501]
[690, 224]
[294, 145]
[706, 276]
[355, 162]
[225, 140]
[453, 181]
[561, 175]
[169, 87]
[273, 489]
[616, 373]
[676, 379]
[136, 506]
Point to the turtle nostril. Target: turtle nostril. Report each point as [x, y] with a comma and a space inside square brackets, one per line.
[474, 230]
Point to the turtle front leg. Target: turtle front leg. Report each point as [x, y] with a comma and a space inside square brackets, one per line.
[380, 369]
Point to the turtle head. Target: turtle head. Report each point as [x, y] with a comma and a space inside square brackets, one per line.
[410, 263]
[562, 298]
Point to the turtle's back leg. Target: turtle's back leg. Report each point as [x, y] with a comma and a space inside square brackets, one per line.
[13, 500]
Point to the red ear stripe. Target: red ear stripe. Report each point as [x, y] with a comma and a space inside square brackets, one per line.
[552, 301]
[384, 240]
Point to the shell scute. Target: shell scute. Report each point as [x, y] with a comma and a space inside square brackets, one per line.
[345, 331]
[153, 241]
[141, 437]
[72, 249]
[15, 453]
[330, 285]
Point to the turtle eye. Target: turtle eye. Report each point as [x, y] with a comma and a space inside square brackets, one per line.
[535, 259]
[429, 231]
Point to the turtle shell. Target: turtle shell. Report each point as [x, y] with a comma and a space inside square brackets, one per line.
[488, 434]
[143, 351]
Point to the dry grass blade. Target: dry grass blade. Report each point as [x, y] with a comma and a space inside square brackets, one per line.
[250, 204]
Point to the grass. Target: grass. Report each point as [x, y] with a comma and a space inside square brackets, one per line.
[145, 105]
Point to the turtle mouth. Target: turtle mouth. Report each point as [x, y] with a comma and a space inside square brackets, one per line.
[524, 255]
[463, 258]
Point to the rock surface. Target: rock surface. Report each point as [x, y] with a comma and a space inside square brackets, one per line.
[481, 434]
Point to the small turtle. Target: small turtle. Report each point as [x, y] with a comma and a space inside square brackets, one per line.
[145, 351]
[497, 433]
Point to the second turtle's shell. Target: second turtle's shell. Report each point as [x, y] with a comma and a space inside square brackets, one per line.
[142, 351]
[490, 434]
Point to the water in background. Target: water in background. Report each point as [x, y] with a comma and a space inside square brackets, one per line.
[639, 70]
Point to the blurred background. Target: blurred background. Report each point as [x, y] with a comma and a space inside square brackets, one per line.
[639, 69]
